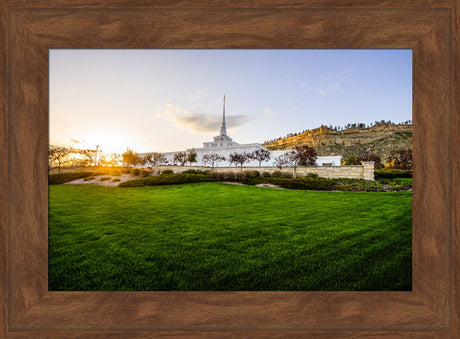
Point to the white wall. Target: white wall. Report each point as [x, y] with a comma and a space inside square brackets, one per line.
[248, 148]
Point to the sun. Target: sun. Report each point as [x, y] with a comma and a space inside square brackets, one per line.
[110, 141]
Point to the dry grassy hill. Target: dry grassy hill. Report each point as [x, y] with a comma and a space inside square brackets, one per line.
[379, 139]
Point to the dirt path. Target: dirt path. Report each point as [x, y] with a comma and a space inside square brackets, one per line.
[107, 183]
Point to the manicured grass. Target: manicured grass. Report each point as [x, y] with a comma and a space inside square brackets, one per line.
[215, 236]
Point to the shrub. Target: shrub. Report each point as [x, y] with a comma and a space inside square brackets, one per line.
[105, 178]
[312, 175]
[319, 184]
[240, 176]
[277, 174]
[61, 178]
[254, 181]
[382, 185]
[391, 174]
[223, 176]
[170, 179]
[126, 171]
[286, 175]
[144, 173]
[115, 173]
[135, 171]
[88, 178]
[194, 171]
[252, 174]
[116, 179]
[266, 174]
[167, 171]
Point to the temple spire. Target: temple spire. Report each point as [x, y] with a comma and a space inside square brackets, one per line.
[223, 127]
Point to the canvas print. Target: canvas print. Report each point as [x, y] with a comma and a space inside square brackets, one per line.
[230, 170]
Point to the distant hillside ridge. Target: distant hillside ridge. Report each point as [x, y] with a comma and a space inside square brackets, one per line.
[378, 139]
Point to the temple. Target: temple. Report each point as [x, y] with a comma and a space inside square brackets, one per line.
[224, 146]
[222, 140]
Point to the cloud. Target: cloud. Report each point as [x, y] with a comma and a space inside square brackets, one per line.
[207, 123]
[329, 83]
[199, 122]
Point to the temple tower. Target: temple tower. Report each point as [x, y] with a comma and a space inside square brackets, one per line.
[223, 127]
[222, 140]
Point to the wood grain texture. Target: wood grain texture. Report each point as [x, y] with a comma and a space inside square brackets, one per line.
[456, 172]
[279, 4]
[3, 171]
[30, 28]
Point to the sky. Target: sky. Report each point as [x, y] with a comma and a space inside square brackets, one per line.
[159, 100]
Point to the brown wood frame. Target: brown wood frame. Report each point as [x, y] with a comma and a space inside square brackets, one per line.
[30, 28]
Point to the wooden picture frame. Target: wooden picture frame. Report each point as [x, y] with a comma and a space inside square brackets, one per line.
[30, 28]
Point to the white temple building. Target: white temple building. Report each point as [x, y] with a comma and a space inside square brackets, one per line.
[224, 146]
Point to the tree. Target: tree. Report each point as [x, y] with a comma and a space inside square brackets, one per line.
[140, 161]
[240, 158]
[155, 159]
[371, 157]
[400, 159]
[89, 157]
[300, 155]
[57, 156]
[351, 160]
[130, 158]
[213, 158]
[191, 156]
[115, 159]
[104, 160]
[261, 155]
[180, 158]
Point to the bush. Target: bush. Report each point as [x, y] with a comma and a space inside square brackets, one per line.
[312, 175]
[266, 174]
[169, 179]
[116, 179]
[222, 176]
[240, 176]
[61, 178]
[144, 173]
[252, 174]
[286, 175]
[194, 171]
[254, 181]
[135, 171]
[319, 184]
[88, 178]
[115, 173]
[391, 174]
[277, 174]
[126, 171]
[105, 178]
[167, 171]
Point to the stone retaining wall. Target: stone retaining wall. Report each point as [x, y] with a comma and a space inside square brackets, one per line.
[364, 171]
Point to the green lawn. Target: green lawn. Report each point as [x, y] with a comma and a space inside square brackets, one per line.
[214, 236]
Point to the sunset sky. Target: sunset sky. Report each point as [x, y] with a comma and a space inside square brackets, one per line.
[171, 100]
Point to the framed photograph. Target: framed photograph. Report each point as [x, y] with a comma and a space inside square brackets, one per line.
[38, 293]
[151, 189]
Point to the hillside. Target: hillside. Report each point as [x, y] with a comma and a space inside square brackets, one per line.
[379, 139]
